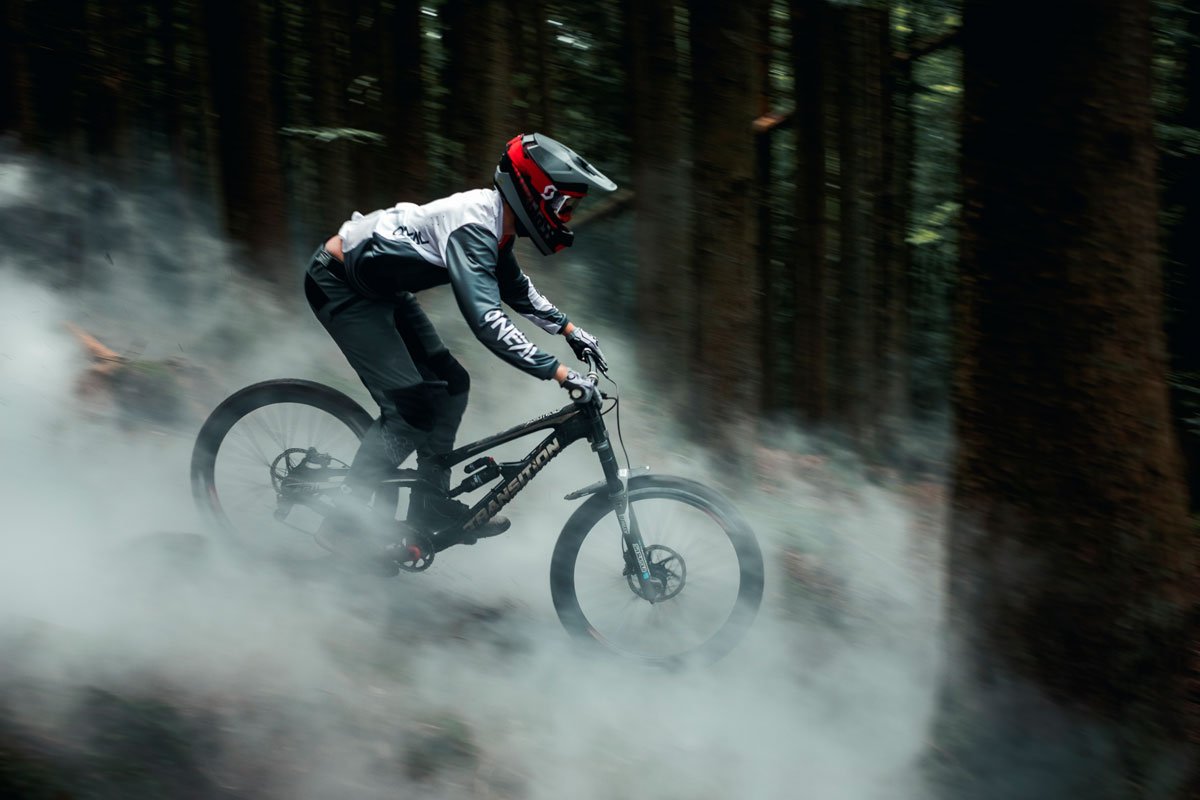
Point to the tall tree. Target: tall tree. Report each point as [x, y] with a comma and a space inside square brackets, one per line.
[1072, 559]
[861, 177]
[726, 314]
[386, 101]
[329, 30]
[810, 27]
[55, 51]
[894, 260]
[478, 77]
[405, 136]
[111, 90]
[656, 94]
[16, 104]
[539, 9]
[1181, 176]
[255, 208]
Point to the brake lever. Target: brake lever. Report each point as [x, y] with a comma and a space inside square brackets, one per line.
[589, 356]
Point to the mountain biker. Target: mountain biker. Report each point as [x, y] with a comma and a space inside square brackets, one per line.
[361, 285]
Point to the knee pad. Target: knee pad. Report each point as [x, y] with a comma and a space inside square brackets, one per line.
[446, 367]
[419, 405]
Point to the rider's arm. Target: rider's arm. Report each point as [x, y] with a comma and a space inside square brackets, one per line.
[519, 293]
[471, 258]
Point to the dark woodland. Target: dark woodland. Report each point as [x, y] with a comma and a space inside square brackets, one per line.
[952, 243]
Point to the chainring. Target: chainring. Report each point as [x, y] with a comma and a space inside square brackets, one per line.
[413, 551]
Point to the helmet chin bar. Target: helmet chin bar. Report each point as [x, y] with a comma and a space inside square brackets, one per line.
[525, 225]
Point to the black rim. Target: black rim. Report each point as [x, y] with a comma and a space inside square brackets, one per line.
[265, 460]
[692, 616]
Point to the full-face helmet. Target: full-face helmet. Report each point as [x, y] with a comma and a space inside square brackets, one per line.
[543, 181]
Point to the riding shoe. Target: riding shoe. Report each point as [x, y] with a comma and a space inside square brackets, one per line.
[431, 512]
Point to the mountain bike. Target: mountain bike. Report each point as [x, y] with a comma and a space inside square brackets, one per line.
[656, 567]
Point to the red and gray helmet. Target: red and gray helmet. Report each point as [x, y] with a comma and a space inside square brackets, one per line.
[543, 181]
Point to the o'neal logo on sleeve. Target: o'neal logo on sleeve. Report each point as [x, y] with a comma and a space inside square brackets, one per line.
[510, 334]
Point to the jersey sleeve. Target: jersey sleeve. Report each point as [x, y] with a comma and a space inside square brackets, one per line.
[472, 254]
[519, 293]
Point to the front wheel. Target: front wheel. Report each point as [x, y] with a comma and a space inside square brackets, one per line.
[705, 560]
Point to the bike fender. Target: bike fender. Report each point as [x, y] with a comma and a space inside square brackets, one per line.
[600, 484]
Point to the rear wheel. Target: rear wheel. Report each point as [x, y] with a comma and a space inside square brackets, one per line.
[268, 457]
[705, 563]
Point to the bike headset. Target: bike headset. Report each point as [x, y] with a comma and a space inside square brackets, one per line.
[543, 181]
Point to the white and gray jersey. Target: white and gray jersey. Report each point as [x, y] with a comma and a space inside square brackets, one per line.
[455, 240]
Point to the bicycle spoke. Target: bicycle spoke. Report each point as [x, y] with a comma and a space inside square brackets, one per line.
[695, 569]
[259, 450]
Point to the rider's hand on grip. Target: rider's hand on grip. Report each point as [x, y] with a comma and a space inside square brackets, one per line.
[581, 390]
[582, 343]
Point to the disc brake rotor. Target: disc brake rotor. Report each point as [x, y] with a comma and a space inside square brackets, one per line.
[284, 465]
[668, 574]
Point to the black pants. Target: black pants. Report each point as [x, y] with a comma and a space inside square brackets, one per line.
[420, 388]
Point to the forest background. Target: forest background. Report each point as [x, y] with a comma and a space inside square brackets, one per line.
[959, 240]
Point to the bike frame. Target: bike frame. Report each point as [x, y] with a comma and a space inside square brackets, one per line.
[567, 425]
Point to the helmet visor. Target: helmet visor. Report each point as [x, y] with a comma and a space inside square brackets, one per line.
[564, 205]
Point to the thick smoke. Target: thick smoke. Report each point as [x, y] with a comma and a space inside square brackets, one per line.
[141, 658]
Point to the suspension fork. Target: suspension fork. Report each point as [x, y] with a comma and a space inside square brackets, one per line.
[618, 493]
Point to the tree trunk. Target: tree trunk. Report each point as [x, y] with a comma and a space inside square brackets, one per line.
[810, 27]
[545, 100]
[406, 139]
[329, 33]
[56, 51]
[174, 113]
[860, 155]
[16, 105]
[890, 406]
[1071, 555]
[726, 340]
[664, 283]
[110, 87]
[255, 208]
[201, 139]
[371, 161]
[477, 115]
[766, 198]
[1181, 175]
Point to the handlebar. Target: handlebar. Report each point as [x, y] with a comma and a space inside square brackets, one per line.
[592, 376]
[590, 358]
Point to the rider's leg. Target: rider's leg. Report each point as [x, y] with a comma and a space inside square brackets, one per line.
[365, 331]
[439, 367]
[430, 508]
